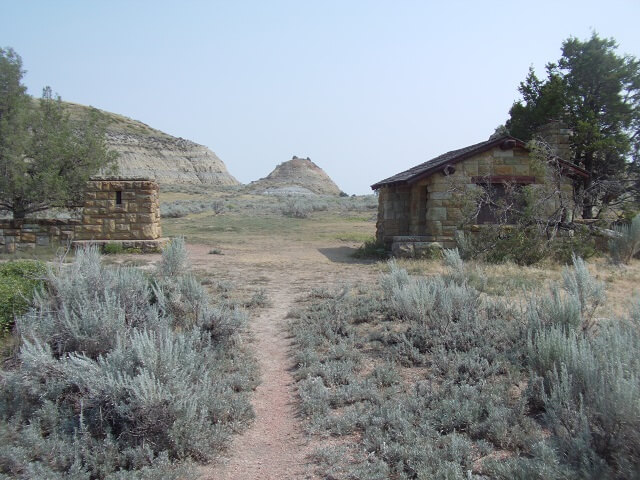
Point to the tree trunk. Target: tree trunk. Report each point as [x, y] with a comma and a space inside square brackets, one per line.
[588, 200]
[19, 211]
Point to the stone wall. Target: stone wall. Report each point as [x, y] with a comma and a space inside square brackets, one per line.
[115, 210]
[27, 234]
[431, 210]
[393, 211]
[120, 209]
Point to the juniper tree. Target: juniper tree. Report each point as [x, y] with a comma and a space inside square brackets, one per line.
[597, 93]
[45, 157]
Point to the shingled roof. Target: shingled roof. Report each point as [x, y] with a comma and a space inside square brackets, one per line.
[454, 156]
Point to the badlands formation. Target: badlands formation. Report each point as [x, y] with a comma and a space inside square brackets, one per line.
[169, 160]
[144, 151]
[297, 176]
[147, 152]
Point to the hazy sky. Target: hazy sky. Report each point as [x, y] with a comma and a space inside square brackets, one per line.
[364, 88]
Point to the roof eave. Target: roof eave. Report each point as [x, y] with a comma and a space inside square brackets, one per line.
[378, 185]
[460, 158]
[575, 169]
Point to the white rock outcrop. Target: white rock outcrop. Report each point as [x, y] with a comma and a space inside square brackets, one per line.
[169, 160]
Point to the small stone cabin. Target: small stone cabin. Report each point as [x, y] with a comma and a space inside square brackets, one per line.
[417, 209]
[121, 210]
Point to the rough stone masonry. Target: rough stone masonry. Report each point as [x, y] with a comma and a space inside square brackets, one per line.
[115, 210]
[120, 209]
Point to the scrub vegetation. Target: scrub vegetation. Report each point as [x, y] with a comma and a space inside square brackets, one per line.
[180, 202]
[627, 244]
[215, 218]
[123, 374]
[427, 377]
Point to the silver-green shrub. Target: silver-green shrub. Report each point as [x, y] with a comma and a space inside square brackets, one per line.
[433, 307]
[174, 258]
[120, 372]
[296, 208]
[634, 312]
[588, 291]
[543, 381]
[626, 244]
[571, 304]
[453, 260]
[589, 381]
[422, 431]
[395, 280]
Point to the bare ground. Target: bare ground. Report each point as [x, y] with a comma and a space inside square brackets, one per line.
[274, 446]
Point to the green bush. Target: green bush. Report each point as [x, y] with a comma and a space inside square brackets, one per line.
[525, 246]
[371, 249]
[504, 243]
[18, 280]
[123, 375]
[112, 248]
[580, 244]
[296, 208]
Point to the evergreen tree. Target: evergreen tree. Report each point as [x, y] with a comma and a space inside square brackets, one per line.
[597, 93]
[45, 157]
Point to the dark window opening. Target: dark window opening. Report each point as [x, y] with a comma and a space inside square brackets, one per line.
[500, 203]
[118, 197]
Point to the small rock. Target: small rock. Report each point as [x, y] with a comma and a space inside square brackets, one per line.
[402, 250]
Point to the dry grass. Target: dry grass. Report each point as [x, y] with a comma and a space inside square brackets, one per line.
[622, 284]
[115, 123]
[248, 217]
[518, 282]
[254, 218]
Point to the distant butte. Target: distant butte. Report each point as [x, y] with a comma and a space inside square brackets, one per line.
[296, 176]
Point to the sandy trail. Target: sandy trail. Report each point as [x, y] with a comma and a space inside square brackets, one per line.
[274, 447]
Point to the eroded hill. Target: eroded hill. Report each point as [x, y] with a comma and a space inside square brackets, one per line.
[296, 176]
[147, 152]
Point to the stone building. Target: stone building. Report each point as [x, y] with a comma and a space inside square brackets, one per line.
[420, 208]
[115, 210]
[121, 210]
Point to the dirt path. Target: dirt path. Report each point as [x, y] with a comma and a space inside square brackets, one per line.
[274, 447]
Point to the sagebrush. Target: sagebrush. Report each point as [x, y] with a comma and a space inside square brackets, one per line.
[122, 374]
[424, 377]
[626, 244]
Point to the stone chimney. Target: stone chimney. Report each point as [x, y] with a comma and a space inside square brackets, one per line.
[557, 135]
